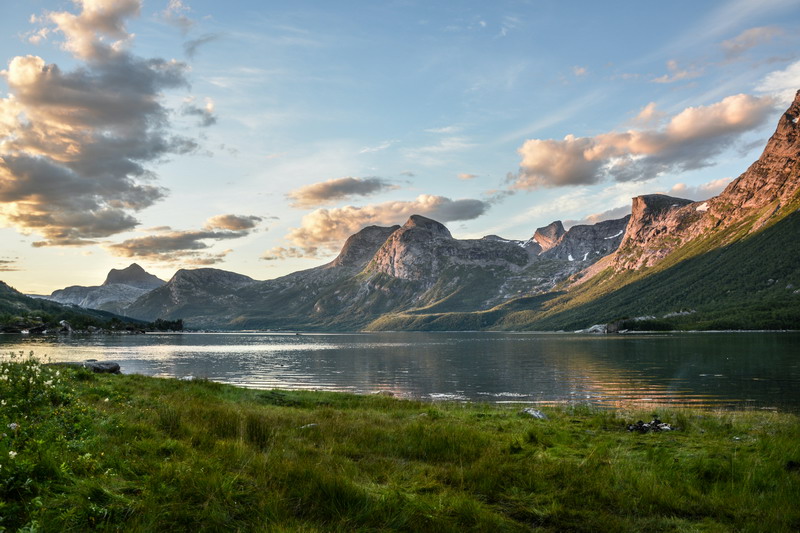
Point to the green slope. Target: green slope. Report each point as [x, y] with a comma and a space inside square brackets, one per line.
[20, 311]
[753, 283]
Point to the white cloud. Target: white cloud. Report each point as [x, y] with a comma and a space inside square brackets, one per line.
[378, 148]
[75, 145]
[594, 218]
[332, 190]
[233, 222]
[748, 39]
[86, 33]
[699, 192]
[176, 14]
[438, 154]
[677, 74]
[649, 115]
[189, 247]
[688, 141]
[322, 231]
[448, 130]
[782, 83]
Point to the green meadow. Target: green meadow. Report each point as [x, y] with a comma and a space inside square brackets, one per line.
[80, 451]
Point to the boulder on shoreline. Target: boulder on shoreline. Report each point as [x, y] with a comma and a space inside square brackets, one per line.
[98, 367]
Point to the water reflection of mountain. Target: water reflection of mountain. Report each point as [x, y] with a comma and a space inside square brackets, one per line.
[688, 369]
[705, 369]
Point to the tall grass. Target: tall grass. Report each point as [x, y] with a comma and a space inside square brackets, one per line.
[130, 453]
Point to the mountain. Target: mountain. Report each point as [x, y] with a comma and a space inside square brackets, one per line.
[726, 263]
[120, 288]
[192, 293]
[19, 312]
[418, 267]
[133, 276]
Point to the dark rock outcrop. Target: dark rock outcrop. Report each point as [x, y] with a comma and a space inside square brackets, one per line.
[98, 367]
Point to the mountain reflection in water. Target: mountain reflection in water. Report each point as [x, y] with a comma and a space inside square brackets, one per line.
[759, 370]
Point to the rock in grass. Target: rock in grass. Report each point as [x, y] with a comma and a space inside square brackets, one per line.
[98, 367]
[535, 413]
[654, 425]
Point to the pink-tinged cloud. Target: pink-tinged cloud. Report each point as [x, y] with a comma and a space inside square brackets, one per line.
[188, 247]
[98, 30]
[323, 231]
[75, 145]
[690, 140]
[233, 222]
[748, 39]
[594, 218]
[677, 74]
[699, 192]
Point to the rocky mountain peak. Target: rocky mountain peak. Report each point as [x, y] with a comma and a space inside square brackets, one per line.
[548, 236]
[774, 176]
[360, 247]
[587, 243]
[419, 221]
[135, 276]
[203, 276]
[649, 206]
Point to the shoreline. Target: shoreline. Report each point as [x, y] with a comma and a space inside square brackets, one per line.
[144, 454]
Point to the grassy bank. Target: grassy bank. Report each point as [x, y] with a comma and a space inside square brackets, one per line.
[81, 451]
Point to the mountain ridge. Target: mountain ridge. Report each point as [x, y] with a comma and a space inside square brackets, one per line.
[418, 276]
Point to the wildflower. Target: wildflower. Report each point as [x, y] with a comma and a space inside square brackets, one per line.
[105, 400]
[13, 426]
[12, 454]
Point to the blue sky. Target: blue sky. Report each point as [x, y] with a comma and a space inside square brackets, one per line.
[255, 137]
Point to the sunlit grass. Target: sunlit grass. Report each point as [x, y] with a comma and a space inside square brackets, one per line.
[132, 453]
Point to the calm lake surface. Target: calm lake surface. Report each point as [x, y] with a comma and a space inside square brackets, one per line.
[738, 370]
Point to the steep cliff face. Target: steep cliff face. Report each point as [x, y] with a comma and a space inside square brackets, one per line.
[587, 243]
[766, 192]
[548, 236]
[775, 176]
[658, 224]
[361, 247]
[422, 248]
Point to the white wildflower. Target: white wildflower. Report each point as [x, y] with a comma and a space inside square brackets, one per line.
[12, 454]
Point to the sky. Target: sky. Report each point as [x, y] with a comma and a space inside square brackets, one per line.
[257, 136]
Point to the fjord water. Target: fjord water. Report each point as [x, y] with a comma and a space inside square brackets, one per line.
[741, 370]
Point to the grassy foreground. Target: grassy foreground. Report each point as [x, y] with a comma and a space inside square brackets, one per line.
[80, 451]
